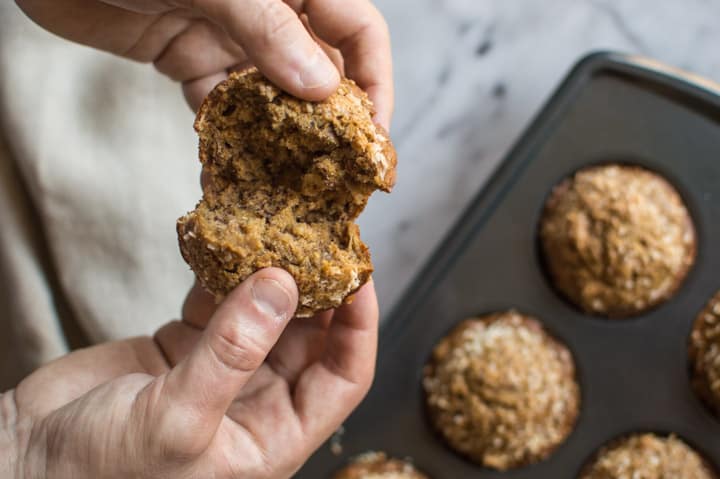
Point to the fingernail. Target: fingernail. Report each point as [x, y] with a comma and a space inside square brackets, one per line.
[318, 72]
[271, 298]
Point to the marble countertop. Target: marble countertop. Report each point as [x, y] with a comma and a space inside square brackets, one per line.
[470, 75]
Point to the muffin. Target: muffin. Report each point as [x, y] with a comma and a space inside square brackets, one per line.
[647, 456]
[705, 354]
[286, 179]
[376, 465]
[501, 391]
[616, 240]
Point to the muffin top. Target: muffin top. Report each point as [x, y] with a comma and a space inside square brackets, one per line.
[647, 456]
[501, 391]
[376, 465]
[616, 239]
[705, 354]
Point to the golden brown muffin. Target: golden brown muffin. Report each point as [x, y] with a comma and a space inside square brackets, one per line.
[705, 354]
[617, 240]
[376, 465]
[647, 456]
[501, 391]
[286, 179]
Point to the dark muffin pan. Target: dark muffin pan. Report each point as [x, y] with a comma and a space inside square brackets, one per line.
[633, 373]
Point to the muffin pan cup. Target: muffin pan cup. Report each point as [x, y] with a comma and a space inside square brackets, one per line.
[633, 373]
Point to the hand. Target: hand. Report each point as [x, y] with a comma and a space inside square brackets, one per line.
[197, 42]
[190, 403]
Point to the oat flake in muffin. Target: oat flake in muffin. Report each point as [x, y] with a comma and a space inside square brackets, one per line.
[501, 391]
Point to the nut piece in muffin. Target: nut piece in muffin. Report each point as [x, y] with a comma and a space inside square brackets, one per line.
[705, 354]
[285, 180]
[648, 456]
[376, 465]
[616, 240]
[501, 391]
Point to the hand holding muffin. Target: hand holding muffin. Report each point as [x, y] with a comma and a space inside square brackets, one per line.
[237, 390]
[203, 398]
[198, 42]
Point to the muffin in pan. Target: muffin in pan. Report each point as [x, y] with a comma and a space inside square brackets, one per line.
[705, 354]
[648, 456]
[286, 179]
[616, 240]
[501, 391]
[377, 465]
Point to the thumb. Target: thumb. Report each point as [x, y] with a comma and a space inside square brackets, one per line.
[242, 331]
[275, 39]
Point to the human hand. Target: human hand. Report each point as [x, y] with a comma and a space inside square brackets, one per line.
[196, 42]
[194, 403]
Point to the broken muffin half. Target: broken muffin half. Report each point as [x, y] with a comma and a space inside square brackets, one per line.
[285, 180]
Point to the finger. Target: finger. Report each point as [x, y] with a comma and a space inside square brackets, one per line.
[240, 66]
[141, 6]
[333, 53]
[301, 344]
[101, 25]
[198, 51]
[205, 178]
[267, 416]
[360, 32]
[198, 307]
[176, 340]
[196, 90]
[49, 387]
[331, 388]
[197, 392]
[275, 40]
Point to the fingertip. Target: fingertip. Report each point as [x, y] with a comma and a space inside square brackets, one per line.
[364, 311]
[382, 97]
[382, 119]
[269, 292]
[367, 291]
[199, 306]
[205, 178]
[275, 39]
[197, 89]
[314, 77]
[318, 77]
[281, 276]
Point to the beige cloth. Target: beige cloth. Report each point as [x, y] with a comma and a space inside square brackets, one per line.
[97, 160]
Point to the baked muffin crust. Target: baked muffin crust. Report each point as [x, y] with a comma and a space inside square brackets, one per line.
[617, 240]
[376, 465]
[648, 456]
[705, 354]
[501, 391]
[286, 180]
